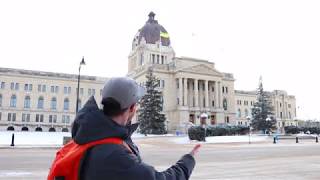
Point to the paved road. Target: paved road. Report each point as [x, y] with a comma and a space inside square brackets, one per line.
[215, 161]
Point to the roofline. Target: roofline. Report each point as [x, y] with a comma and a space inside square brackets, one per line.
[49, 74]
[194, 59]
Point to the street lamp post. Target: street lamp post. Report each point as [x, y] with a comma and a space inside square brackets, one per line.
[268, 120]
[81, 63]
[249, 122]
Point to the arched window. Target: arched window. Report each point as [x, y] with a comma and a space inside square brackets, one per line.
[24, 129]
[246, 112]
[27, 102]
[13, 101]
[10, 128]
[225, 104]
[66, 104]
[0, 100]
[40, 102]
[52, 129]
[53, 104]
[239, 113]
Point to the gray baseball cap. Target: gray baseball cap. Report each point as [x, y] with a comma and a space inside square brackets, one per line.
[124, 90]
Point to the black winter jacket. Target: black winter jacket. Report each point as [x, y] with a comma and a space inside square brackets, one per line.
[115, 162]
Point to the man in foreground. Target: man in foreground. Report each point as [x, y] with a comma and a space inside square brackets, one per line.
[113, 161]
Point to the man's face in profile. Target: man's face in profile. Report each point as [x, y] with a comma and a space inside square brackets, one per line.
[132, 118]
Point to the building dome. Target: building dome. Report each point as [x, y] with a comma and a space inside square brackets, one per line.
[152, 32]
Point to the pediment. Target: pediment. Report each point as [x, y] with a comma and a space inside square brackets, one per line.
[202, 69]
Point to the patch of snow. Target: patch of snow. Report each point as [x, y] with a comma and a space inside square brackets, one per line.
[138, 135]
[221, 139]
[14, 174]
[33, 138]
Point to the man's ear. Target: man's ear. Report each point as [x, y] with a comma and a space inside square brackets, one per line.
[132, 108]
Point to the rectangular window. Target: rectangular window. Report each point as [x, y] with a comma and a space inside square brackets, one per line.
[158, 59]
[65, 119]
[289, 105]
[57, 89]
[52, 89]
[17, 86]
[0, 116]
[9, 116]
[41, 118]
[153, 58]
[23, 118]
[54, 118]
[39, 87]
[162, 59]
[93, 92]
[222, 89]
[68, 119]
[37, 117]
[81, 91]
[28, 87]
[12, 86]
[3, 85]
[28, 118]
[13, 116]
[50, 118]
[44, 88]
[212, 89]
[204, 102]
[212, 103]
[69, 90]
[227, 90]
[65, 90]
[101, 91]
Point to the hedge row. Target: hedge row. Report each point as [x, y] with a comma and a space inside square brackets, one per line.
[199, 133]
[297, 130]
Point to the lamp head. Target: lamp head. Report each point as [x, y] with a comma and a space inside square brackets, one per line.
[82, 61]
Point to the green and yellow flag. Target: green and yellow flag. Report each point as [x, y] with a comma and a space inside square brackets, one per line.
[164, 34]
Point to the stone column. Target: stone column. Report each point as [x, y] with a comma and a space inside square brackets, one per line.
[180, 92]
[196, 93]
[185, 89]
[220, 95]
[216, 96]
[206, 93]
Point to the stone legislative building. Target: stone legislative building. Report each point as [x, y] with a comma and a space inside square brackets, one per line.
[36, 101]
[193, 86]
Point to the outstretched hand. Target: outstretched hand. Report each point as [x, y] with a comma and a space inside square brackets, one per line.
[195, 149]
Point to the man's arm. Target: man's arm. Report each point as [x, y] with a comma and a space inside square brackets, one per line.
[180, 171]
[114, 162]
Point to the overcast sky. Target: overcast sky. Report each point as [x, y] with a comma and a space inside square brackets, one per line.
[278, 39]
